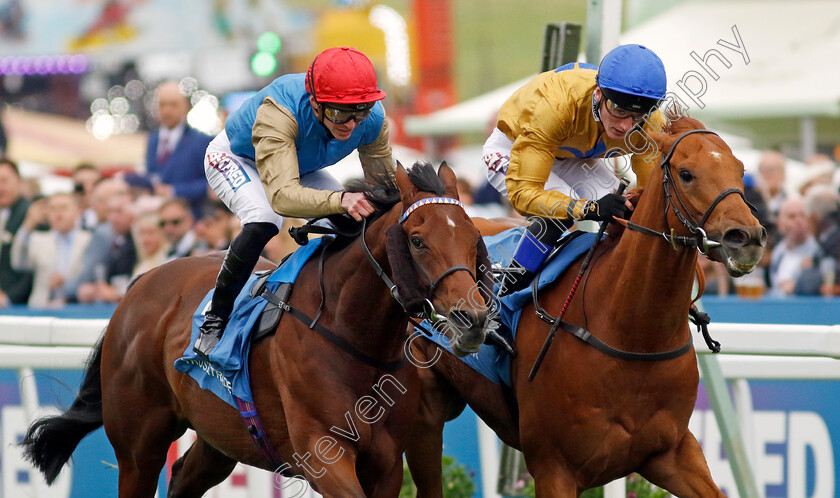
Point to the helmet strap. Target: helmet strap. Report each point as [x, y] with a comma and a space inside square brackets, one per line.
[320, 118]
[596, 107]
[312, 77]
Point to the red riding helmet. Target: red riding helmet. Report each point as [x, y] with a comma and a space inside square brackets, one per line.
[342, 75]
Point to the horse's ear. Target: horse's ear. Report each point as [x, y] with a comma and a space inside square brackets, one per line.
[407, 189]
[446, 174]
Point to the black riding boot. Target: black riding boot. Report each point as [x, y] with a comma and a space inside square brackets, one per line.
[533, 249]
[241, 257]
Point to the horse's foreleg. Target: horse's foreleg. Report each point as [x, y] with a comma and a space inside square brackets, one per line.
[683, 471]
[553, 481]
[439, 402]
[388, 485]
[329, 467]
[339, 479]
[201, 468]
[424, 459]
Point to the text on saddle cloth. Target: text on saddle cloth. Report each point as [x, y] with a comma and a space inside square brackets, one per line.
[226, 373]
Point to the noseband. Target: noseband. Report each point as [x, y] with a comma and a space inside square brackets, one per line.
[423, 202]
[703, 242]
[699, 239]
[428, 311]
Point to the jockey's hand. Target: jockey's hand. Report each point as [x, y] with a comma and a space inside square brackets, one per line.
[606, 207]
[356, 205]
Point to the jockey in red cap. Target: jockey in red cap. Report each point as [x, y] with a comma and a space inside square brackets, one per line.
[269, 160]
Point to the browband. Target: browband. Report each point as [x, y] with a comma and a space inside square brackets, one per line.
[428, 200]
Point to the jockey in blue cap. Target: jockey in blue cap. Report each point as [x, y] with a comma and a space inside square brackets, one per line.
[552, 136]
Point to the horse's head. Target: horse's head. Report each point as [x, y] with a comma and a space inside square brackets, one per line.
[437, 256]
[704, 187]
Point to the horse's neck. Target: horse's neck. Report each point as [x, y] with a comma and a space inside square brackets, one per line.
[365, 312]
[657, 278]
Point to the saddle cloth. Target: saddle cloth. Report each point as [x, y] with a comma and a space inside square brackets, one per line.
[226, 373]
[490, 361]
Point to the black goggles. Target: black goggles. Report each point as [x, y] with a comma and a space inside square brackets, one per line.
[619, 113]
[341, 116]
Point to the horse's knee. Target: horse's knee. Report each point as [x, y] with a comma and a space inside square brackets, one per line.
[198, 470]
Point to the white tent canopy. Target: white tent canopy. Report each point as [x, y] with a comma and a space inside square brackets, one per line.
[472, 115]
[791, 48]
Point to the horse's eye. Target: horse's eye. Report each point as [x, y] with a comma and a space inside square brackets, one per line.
[686, 176]
[417, 242]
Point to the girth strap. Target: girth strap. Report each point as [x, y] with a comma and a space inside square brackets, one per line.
[345, 346]
[248, 412]
[596, 343]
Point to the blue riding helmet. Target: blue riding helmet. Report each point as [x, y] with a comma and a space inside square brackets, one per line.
[632, 77]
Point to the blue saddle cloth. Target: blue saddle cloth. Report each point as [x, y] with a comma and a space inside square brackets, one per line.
[226, 373]
[489, 361]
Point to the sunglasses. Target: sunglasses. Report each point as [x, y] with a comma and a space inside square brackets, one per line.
[174, 222]
[619, 113]
[341, 116]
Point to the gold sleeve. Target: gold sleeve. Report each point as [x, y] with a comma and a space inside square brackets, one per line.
[531, 161]
[646, 160]
[273, 136]
[377, 155]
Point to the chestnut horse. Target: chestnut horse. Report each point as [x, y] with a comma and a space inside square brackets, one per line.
[589, 417]
[340, 422]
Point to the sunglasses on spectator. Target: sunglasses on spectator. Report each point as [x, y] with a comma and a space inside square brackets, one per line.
[174, 222]
[619, 113]
[341, 116]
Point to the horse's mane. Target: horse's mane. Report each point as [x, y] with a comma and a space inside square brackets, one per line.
[381, 186]
[381, 189]
[682, 124]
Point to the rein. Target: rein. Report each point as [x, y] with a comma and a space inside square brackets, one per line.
[427, 313]
[698, 239]
[430, 312]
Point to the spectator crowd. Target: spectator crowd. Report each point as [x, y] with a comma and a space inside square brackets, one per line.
[87, 244]
[802, 217]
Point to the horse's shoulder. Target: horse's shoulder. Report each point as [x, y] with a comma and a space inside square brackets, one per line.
[493, 226]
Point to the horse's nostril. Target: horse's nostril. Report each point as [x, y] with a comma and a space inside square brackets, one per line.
[462, 319]
[762, 237]
[736, 237]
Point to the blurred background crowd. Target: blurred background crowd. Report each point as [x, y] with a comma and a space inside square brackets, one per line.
[86, 243]
[106, 108]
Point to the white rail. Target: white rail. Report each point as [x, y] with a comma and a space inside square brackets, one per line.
[750, 351]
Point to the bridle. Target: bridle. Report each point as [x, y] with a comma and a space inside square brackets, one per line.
[698, 238]
[428, 311]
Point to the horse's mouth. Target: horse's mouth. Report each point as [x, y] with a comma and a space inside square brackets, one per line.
[467, 342]
[460, 352]
[736, 269]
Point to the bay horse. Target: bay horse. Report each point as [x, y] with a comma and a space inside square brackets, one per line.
[589, 417]
[339, 421]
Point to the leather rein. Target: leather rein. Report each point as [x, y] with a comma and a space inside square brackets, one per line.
[428, 312]
[698, 240]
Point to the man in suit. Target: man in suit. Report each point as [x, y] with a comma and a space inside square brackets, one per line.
[54, 256]
[177, 222]
[102, 235]
[175, 152]
[15, 286]
[114, 273]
